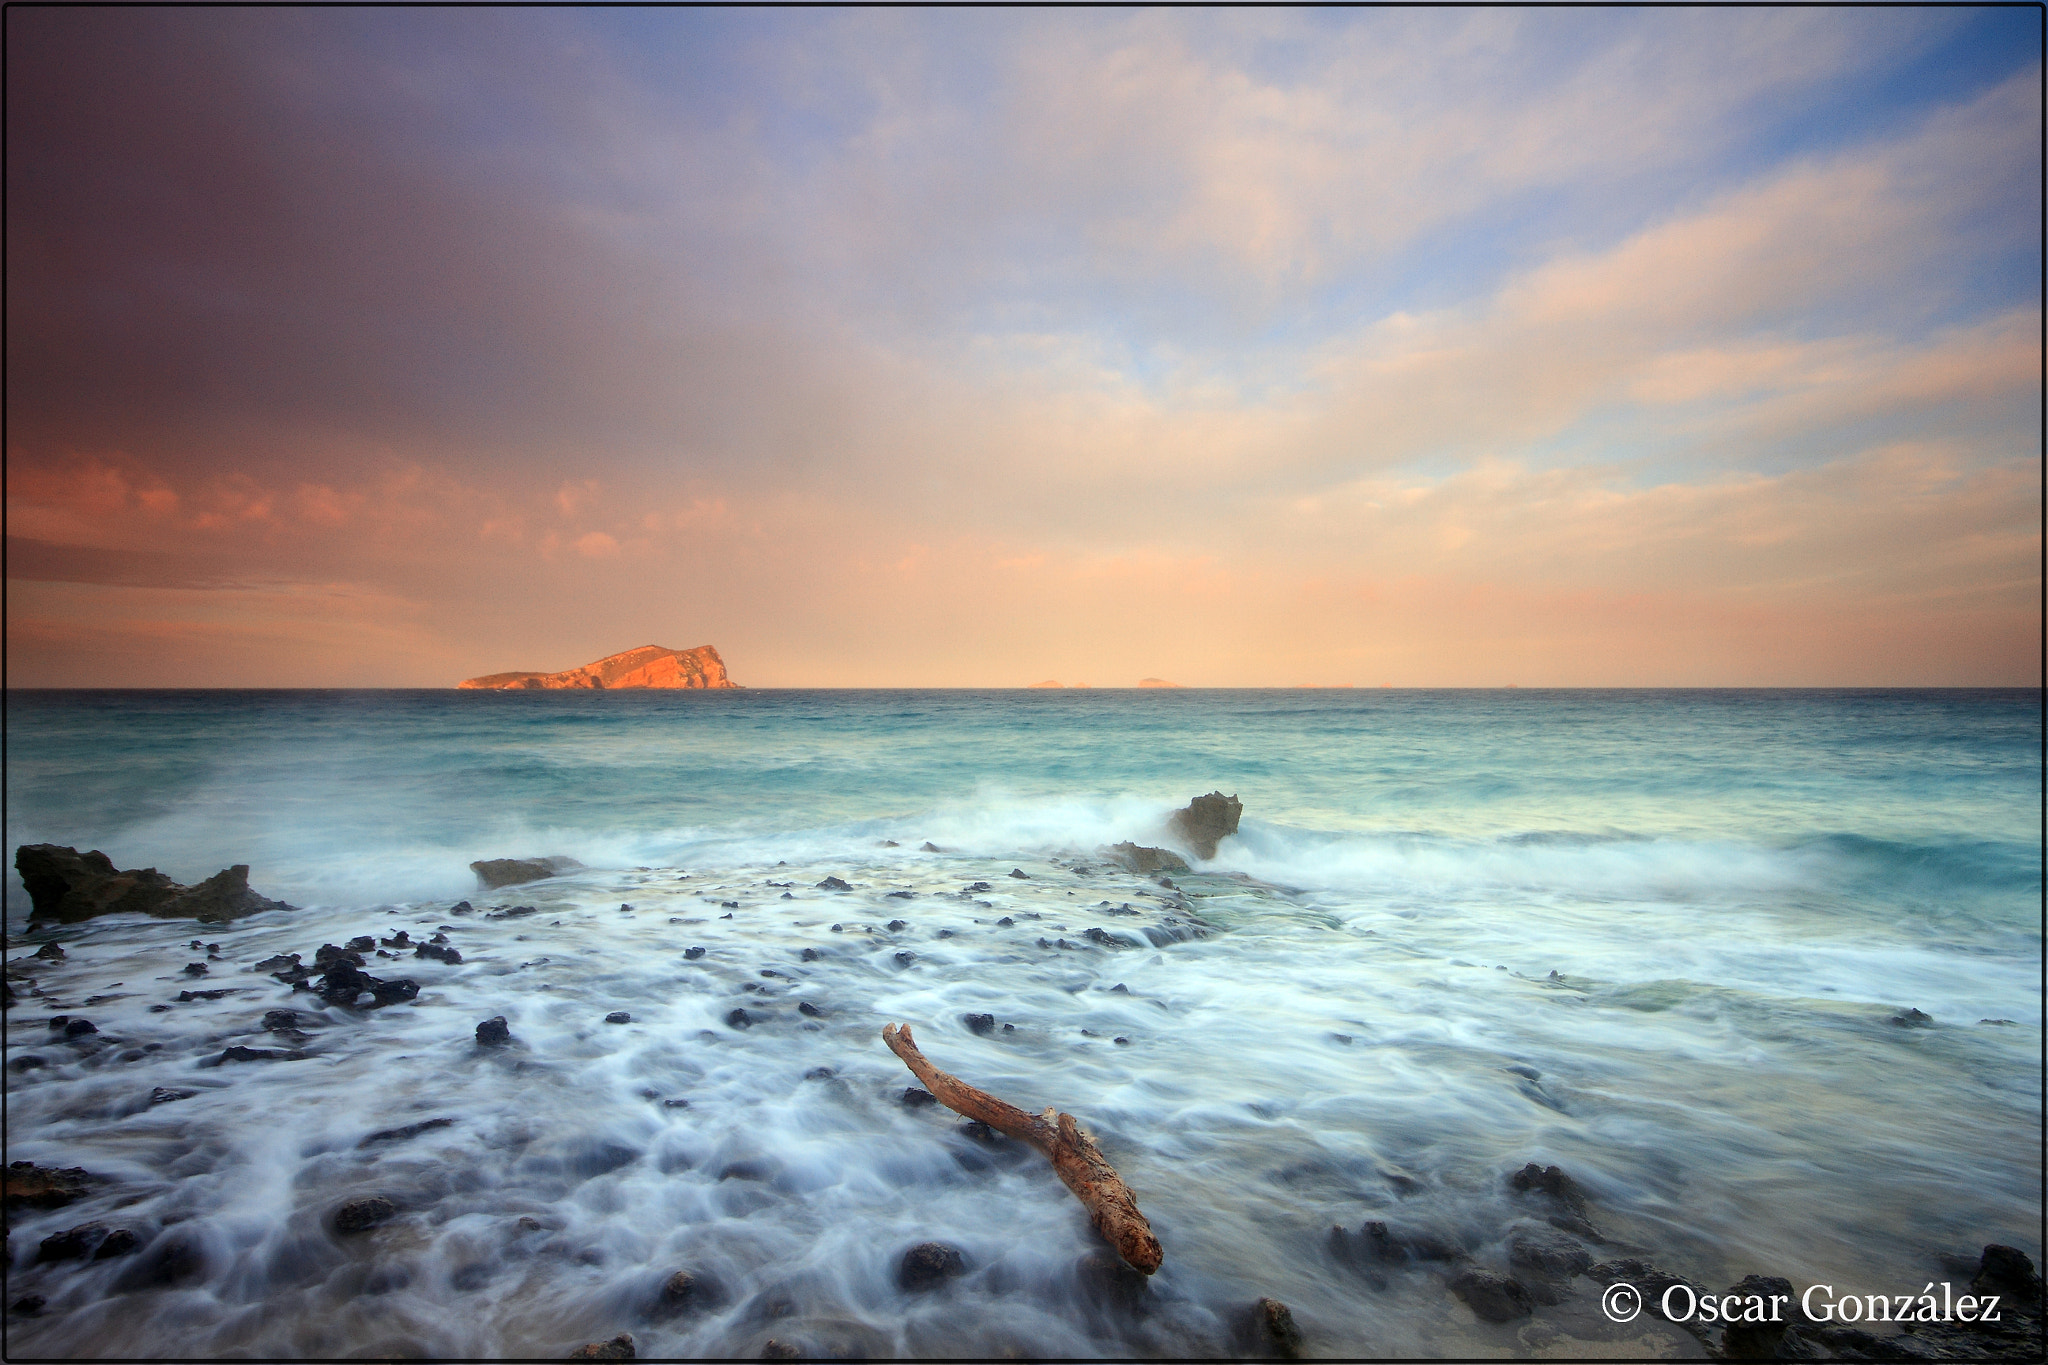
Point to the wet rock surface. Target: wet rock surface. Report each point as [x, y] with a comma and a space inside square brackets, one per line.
[1205, 821]
[68, 886]
[497, 872]
[928, 1265]
[360, 1215]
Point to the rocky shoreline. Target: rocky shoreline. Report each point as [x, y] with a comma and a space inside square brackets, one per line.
[1537, 1268]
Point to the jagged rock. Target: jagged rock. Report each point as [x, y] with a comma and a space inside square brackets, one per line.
[807, 1008]
[497, 872]
[360, 1215]
[1137, 858]
[1913, 1018]
[281, 962]
[833, 884]
[1273, 1325]
[1205, 820]
[692, 954]
[618, 1017]
[739, 1019]
[930, 1264]
[68, 886]
[929, 847]
[2008, 1271]
[619, 1347]
[361, 943]
[438, 952]
[647, 666]
[1647, 1278]
[983, 1024]
[72, 1244]
[164, 1094]
[914, 1098]
[772, 1349]
[1020, 873]
[50, 952]
[1495, 1298]
[24, 1185]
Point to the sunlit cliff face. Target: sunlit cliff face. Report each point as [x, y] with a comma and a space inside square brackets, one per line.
[1465, 349]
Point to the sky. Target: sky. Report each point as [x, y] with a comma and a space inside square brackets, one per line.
[915, 348]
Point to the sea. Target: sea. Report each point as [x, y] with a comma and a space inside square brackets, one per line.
[1759, 972]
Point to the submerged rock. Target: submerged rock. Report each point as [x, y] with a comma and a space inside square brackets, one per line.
[411, 1130]
[1274, 1331]
[68, 886]
[72, 1244]
[983, 1024]
[360, 1215]
[1495, 1298]
[833, 884]
[928, 1265]
[1206, 820]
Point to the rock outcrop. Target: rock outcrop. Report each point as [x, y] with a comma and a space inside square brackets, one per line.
[647, 666]
[1205, 820]
[68, 886]
[496, 872]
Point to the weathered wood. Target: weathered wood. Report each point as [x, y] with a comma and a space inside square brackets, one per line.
[1073, 1153]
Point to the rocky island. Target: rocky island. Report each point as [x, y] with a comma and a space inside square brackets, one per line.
[647, 666]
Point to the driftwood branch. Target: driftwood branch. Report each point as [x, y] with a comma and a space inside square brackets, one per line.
[1073, 1153]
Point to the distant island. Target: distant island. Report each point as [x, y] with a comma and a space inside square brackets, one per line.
[1156, 682]
[647, 666]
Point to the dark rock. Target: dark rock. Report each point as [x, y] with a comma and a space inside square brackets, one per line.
[914, 1098]
[1145, 861]
[930, 847]
[1913, 1019]
[1552, 1181]
[692, 954]
[27, 1062]
[281, 1021]
[79, 1028]
[747, 1170]
[462, 908]
[50, 952]
[411, 1130]
[897, 926]
[973, 887]
[833, 884]
[1020, 872]
[739, 1018]
[278, 963]
[58, 1021]
[28, 1306]
[362, 943]
[1005, 922]
[163, 1094]
[1121, 1042]
[497, 872]
[360, 1215]
[808, 955]
[73, 1244]
[257, 1054]
[1759, 1340]
[928, 1265]
[1105, 1279]
[401, 939]
[2008, 1272]
[195, 969]
[1648, 1279]
[905, 958]
[66, 885]
[901, 896]
[327, 955]
[779, 1350]
[1009, 1028]
[619, 1347]
[681, 1292]
[1274, 1324]
[187, 997]
[675, 1104]
[493, 1032]
[983, 1024]
[438, 952]
[1547, 1252]
[806, 1007]
[820, 1073]
[119, 1242]
[1104, 938]
[395, 991]
[618, 1017]
[1206, 820]
[1494, 1298]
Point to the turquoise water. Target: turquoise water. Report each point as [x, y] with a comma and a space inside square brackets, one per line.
[1693, 915]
